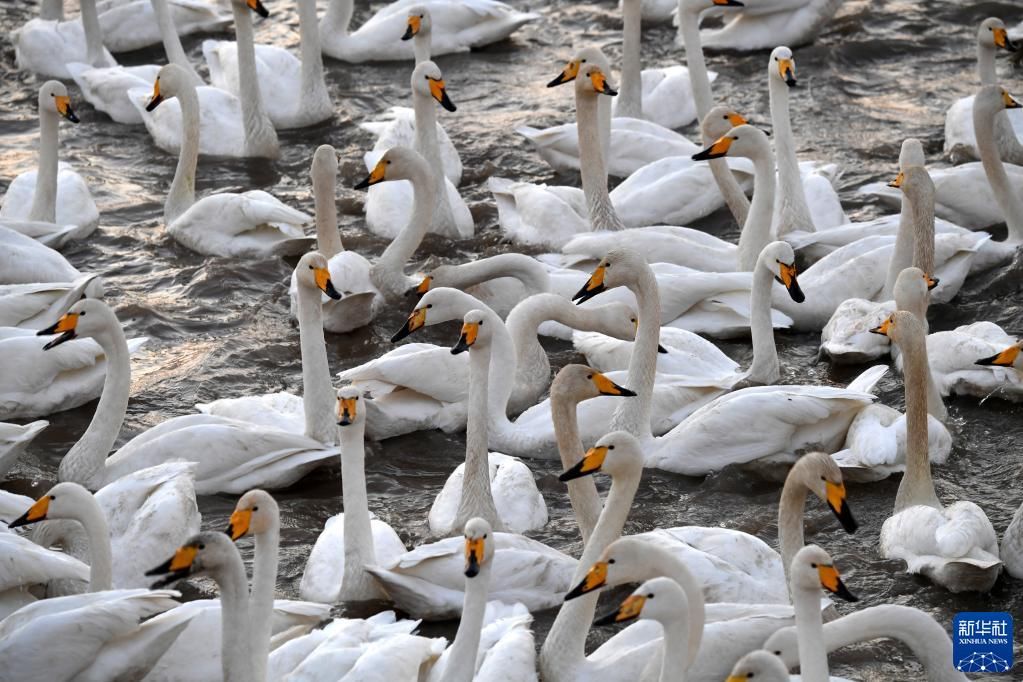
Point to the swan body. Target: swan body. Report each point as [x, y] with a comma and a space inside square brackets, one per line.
[778, 22]
[44, 46]
[131, 24]
[14, 438]
[457, 27]
[684, 353]
[955, 360]
[27, 567]
[875, 444]
[1011, 551]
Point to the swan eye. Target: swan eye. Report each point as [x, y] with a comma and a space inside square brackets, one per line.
[750, 675]
[356, 398]
[388, 162]
[53, 497]
[202, 546]
[650, 596]
[589, 376]
[484, 536]
[823, 479]
[610, 561]
[813, 565]
[311, 267]
[255, 509]
[481, 323]
[610, 447]
[777, 653]
[725, 117]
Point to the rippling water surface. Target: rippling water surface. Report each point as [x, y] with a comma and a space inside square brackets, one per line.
[881, 71]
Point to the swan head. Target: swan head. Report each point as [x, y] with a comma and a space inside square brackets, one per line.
[993, 34]
[593, 80]
[822, 476]
[582, 58]
[720, 120]
[990, 100]
[779, 258]
[616, 454]
[417, 23]
[62, 501]
[579, 382]
[760, 666]
[428, 81]
[620, 267]
[207, 553]
[744, 140]
[901, 326]
[312, 272]
[440, 304]
[477, 330]
[659, 599]
[397, 163]
[53, 98]
[170, 81]
[256, 512]
[1010, 357]
[325, 161]
[86, 318]
[911, 153]
[350, 407]
[626, 560]
[782, 66]
[916, 183]
[479, 546]
[813, 570]
[911, 288]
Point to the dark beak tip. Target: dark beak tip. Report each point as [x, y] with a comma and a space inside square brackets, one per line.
[626, 393]
[409, 35]
[797, 294]
[332, 292]
[986, 362]
[662, 349]
[362, 185]
[20, 521]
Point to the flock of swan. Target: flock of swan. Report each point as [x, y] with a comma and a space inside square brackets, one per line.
[638, 293]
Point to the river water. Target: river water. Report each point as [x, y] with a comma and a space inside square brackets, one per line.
[881, 71]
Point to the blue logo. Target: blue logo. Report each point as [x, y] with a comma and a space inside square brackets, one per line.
[982, 642]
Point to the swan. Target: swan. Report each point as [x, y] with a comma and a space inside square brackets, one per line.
[509, 655]
[241, 453]
[293, 90]
[106, 88]
[388, 206]
[33, 306]
[14, 438]
[1006, 383]
[232, 126]
[51, 204]
[29, 568]
[460, 25]
[955, 546]
[960, 140]
[253, 224]
[128, 24]
[928, 640]
[23, 260]
[45, 45]
[763, 25]
[990, 100]
[128, 524]
[1012, 545]
[355, 535]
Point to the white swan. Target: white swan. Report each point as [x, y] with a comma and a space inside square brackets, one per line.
[34, 306]
[106, 88]
[388, 206]
[460, 25]
[23, 260]
[230, 126]
[253, 224]
[51, 204]
[1004, 383]
[14, 438]
[960, 139]
[955, 546]
[29, 568]
[763, 25]
[128, 24]
[1011, 551]
[237, 454]
[505, 651]
[293, 90]
[45, 45]
[335, 570]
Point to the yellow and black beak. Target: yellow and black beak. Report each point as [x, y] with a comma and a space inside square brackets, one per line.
[787, 70]
[346, 411]
[600, 83]
[155, 100]
[416, 320]
[1010, 101]
[716, 150]
[473, 556]
[736, 119]
[931, 282]
[884, 328]
[257, 7]
[239, 524]
[728, 3]
[177, 567]
[412, 28]
[831, 582]
[567, 75]
[589, 464]
[607, 387]
[594, 285]
[63, 103]
[897, 182]
[629, 610]
[324, 284]
[1001, 38]
[787, 276]
[420, 288]
[1003, 359]
[378, 174]
[37, 512]
[65, 326]
[470, 330]
[440, 93]
[595, 579]
[835, 493]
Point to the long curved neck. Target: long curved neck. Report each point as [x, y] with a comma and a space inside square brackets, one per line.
[85, 461]
[813, 659]
[676, 656]
[338, 17]
[254, 120]
[318, 395]
[917, 486]
[633, 415]
[604, 129]
[592, 168]
[530, 272]
[314, 88]
[44, 201]
[328, 239]
[790, 210]
[236, 645]
[986, 72]
[923, 230]
[756, 231]
[421, 45]
[1005, 194]
[477, 497]
[388, 273]
[97, 531]
[902, 253]
[582, 492]
[93, 34]
[182, 190]
[461, 666]
[765, 368]
[659, 562]
[261, 601]
[427, 144]
[630, 102]
[171, 41]
[359, 547]
[790, 519]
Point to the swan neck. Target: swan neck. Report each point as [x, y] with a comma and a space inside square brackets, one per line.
[461, 666]
[97, 531]
[791, 211]
[986, 72]
[338, 17]
[689, 28]
[1005, 193]
[421, 46]
[923, 232]
[318, 395]
[182, 190]
[592, 168]
[582, 492]
[813, 659]
[261, 601]
[790, 520]
[359, 546]
[917, 486]
[44, 200]
[258, 128]
[661, 563]
[765, 368]
[902, 252]
[675, 660]
[171, 41]
[630, 97]
[51, 10]
[633, 415]
[604, 128]
[477, 497]
[328, 238]
[93, 34]
[387, 274]
[236, 652]
[756, 231]
[314, 88]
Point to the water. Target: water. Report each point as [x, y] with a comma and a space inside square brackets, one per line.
[879, 72]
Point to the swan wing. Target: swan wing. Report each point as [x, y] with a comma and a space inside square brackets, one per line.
[26, 563]
[847, 338]
[283, 411]
[321, 580]
[539, 214]
[421, 367]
